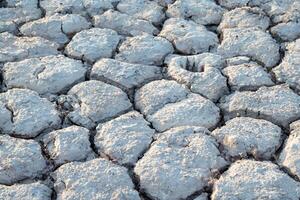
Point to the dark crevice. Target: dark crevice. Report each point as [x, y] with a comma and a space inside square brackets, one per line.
[289, 173]
[3, 4]
[42, 9]
[136, 181]
[92, 141]
[12, 115]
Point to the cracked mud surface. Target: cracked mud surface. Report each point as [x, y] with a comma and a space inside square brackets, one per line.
[149, 99]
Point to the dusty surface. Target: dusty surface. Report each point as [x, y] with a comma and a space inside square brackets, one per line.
[149, 99]
[247, 179]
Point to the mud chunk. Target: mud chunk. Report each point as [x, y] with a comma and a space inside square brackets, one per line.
[68, 144]
[200, 73]
[24, 114]
[93, 44]
[168, 104]
[204, 12]
[289, 31]
[288, 70]
[15, 12]
[32, 191]
[19, 15]
[156, 94]
[20, 159]
[14, 48]
[50, 74]
[126, 75]
[233, 3]
[7, 26]
[247, 179]
[144, 49]
[290, 156]
[95, 179]
[83, 7]
[124, 24]
[277, 104]
[195, 110]
[56, 27]
[278, 10]
[244, 136]
[251, 42]
[189, 37]
[245, 17]
[247, 76]
[180, 162]
[125, 138]
[143, 9]
[97, 101]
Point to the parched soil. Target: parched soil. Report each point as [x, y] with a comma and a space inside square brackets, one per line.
[149, 99]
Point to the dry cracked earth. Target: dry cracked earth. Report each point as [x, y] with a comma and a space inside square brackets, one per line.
[150, 100]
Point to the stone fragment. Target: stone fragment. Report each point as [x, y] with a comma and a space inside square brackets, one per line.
[277, 104]
[97, 101]
[24, 114]
[14, 48]
[126, 75]
[247, 76]
[144, 49]
[288, 70]
[93, 44]
[125, 138]
[124, 24]
[55, 27]
[247, 179]
[243, 136]
[143, 9]
[95, 179]
[20, 159]
[200, 73]
[290, 156]
[251, 42]
[32, 191]
[68, 144]
[189, 37]
[180, 162]
[50, 74]
[245, 17]
[205, 12]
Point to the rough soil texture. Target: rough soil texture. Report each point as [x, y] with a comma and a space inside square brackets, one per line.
[149, 99]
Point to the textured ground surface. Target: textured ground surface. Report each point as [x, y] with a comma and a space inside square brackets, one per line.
[149, 99]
